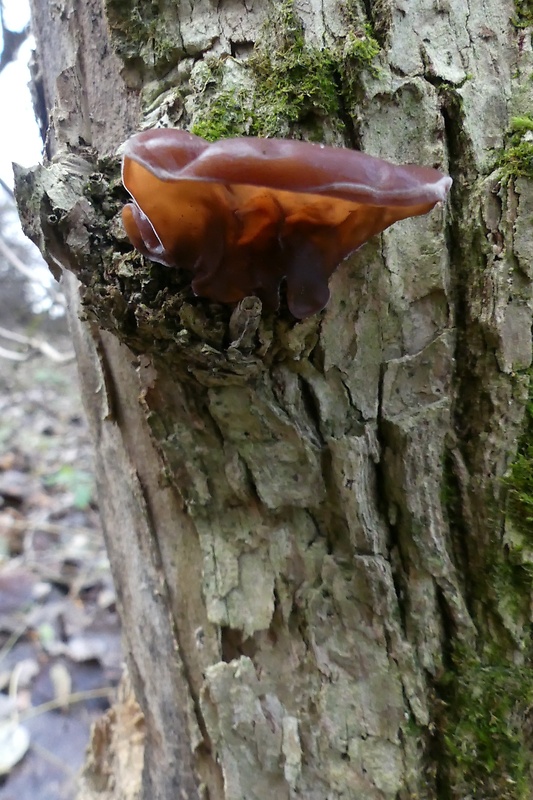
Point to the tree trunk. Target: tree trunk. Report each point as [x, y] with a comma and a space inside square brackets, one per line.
[324, 576]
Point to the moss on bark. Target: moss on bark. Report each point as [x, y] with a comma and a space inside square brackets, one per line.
[291, 84]
[484, 705]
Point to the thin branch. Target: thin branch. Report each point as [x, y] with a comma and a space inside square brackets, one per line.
[59, 763]
[12, 355]
[12, 258]
[36, 344]
[12, 640]
[75, 697]
[12, 41]
[7, 189]
[15, 261]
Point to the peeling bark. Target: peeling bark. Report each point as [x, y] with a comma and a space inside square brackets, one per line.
[306, 521]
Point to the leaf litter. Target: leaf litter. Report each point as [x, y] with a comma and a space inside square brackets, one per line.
[60, 655]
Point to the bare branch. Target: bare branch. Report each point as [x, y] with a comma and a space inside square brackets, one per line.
[7, 189]
[15, 261]
[10, 256]
[12, 355]
[35, 344]
[12, 41]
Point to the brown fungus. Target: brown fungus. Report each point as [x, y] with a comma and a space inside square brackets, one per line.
[242, 215]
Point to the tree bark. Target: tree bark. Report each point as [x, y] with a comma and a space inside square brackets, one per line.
[324, 591]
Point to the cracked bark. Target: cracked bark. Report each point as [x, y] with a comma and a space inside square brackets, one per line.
[302, 519]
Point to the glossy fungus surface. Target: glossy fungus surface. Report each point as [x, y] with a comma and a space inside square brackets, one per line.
[244, 215]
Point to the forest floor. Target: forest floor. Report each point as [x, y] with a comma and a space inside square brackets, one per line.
[60, 656]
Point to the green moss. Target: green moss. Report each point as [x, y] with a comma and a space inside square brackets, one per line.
[294, 81]
[362, 49]
[518, 531]
[522, 124]
[227, 115]
[512, 579]
[524, 13]
[519, 479]
[517, 159]
[483, 713]
[291, 83]
[484, 706]
[140, 35]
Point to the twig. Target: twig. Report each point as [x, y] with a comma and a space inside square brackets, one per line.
[7, 189]
[9, 254]
[12, 41]
[36, 344]
[52, 759]
[12, 355]
[16, 262]
[75, 697]
[13, 639]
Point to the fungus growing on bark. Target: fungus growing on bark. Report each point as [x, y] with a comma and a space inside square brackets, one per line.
[242, 215]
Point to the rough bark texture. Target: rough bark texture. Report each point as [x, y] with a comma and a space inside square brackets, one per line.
[320, 593]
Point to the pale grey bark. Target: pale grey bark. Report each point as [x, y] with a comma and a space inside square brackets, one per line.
[302, 526]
